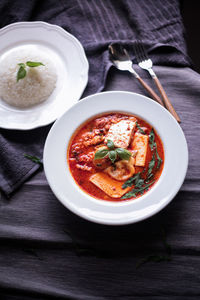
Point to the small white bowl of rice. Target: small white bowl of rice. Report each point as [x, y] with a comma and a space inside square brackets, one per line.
[48, 89]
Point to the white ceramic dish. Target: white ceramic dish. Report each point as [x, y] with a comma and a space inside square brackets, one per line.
[71, 66]
[116, 213]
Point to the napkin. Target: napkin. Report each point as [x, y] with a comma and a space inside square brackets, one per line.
[96, 24]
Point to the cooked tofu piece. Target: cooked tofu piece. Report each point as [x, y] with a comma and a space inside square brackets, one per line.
[140, 143]
[110, 186]
[120, 133]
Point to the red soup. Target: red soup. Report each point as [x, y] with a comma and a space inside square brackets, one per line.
[116, 157]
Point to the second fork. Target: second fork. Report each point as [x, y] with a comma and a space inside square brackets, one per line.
[146, 63]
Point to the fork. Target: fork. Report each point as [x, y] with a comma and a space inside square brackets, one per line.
[146, 63]
[121, 60]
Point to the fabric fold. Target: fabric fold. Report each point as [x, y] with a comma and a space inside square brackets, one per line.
[96, 24]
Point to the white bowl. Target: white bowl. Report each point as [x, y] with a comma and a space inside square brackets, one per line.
[124, 212]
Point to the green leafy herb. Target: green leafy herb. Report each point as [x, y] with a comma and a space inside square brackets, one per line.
[138, 180]
[21, 73]
[128, 182]
[134, 192]
[151, 166]
[112, 155]
[153, 258]
[139, 183]
[35, 159]
[33, 64]
[22, 68]
[101, 153]
[22, 65]
[123, 153]
[152, 143]
[139, 128]
[112, 152]
[159, 160]
[110, 145]
[135, 180]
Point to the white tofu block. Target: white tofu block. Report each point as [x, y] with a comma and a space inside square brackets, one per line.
[140, 143]
[120, 133]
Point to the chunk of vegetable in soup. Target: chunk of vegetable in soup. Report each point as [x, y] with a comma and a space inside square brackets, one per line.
[115, 157]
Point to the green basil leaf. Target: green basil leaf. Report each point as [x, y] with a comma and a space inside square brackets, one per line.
[128, 182]
[159, 160]
[34, 159]
[110, 145]
[137, 176]
[134, 192]
[151, 166]
[101, 153]
[139, 128]
[129, 195]
[22, 65]
[139, 183]
[33, 64]
[152, 143]
[112, 155]
[149, 177]
[153, 258]
[135, 180]
[21, 73]
[123, 153]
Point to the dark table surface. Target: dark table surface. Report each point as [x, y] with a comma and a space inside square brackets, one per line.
[191, 20]
[45, 255]
[43, 252]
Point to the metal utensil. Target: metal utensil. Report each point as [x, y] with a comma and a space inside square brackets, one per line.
[120, 58]
[146, 63]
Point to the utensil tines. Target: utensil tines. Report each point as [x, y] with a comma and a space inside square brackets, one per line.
[121, 60]
[142, 57]
[120, 57]
[146, 63]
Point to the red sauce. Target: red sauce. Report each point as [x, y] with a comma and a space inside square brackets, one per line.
[85, 142]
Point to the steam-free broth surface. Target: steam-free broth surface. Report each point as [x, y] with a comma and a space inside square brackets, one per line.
[116, 157]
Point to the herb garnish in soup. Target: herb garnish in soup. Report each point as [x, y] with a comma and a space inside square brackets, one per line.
[116, 157]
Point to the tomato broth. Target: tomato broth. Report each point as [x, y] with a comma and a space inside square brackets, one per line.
[91, 136]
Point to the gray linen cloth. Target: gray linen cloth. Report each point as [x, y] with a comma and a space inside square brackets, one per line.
[46, 252]
[96, 24]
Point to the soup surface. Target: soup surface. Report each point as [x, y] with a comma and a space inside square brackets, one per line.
[115, 156]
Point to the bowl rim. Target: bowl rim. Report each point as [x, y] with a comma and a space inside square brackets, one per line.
[83, 213]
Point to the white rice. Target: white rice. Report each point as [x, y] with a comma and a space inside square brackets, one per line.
[35, 88]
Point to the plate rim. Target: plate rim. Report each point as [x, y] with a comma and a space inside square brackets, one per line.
[64, 34]
[114, 222]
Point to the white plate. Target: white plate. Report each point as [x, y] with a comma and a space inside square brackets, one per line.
[71, 65]
[116, 213]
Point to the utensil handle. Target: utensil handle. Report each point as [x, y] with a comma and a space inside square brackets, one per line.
[166, 100]
[149, 90]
